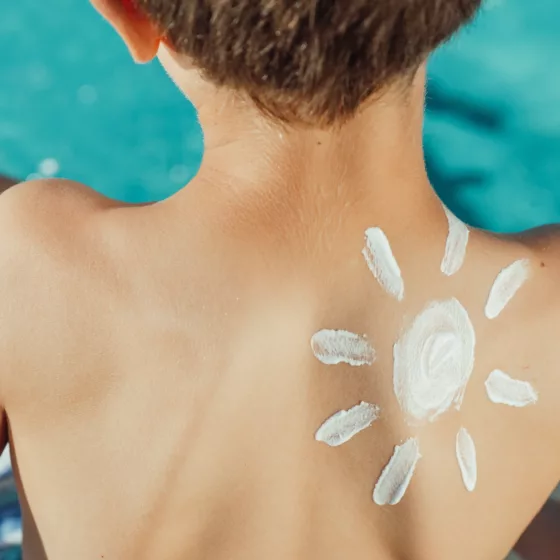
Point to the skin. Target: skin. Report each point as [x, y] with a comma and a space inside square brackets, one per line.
[158, 387]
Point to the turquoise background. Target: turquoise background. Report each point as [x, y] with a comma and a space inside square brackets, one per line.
[69, 91]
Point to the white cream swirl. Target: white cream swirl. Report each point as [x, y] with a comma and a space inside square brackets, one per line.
[434, 360]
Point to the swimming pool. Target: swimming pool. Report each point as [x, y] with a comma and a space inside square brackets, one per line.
[71, 93]
[493, 129]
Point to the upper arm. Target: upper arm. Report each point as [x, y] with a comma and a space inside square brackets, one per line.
[29, 217]
[9, 300]
[5, 184]
[3, 431]
[5, 235]
[40, 225]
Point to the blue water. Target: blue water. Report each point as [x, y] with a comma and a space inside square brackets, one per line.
[493, 131]
[69, 91]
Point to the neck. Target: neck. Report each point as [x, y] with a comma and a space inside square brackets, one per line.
[374, 161]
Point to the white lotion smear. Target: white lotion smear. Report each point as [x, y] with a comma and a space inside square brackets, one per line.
[396, 476]
[336, 347]
[466, 457]
[508, 281]
[344, 425]
[456, 246]
[502, 389]
[434, 360]
[382, 263]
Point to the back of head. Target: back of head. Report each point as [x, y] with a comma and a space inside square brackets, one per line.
[308, 61]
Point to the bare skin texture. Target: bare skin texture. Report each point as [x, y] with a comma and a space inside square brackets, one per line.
[159, 388]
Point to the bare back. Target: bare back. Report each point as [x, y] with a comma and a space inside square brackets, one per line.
[169, 399]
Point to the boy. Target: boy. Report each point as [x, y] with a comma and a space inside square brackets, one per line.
[301, 355]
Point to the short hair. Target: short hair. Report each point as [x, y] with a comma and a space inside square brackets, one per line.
[307, 61]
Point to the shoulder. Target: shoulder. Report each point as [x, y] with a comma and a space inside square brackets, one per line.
[41, 221]
[533, 330]
[45, 216]
[29, 211]
[45, 232]
[46, 201]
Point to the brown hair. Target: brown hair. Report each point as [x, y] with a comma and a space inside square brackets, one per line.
[307, 61]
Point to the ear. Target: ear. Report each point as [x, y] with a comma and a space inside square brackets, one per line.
[135, 29]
